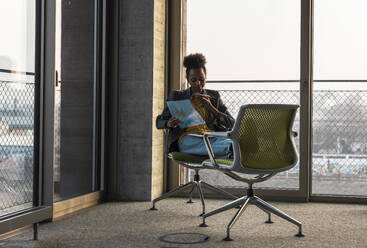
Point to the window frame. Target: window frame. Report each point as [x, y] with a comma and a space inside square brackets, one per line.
[43, 125]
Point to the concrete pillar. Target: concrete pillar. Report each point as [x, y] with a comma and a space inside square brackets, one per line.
[141, 78]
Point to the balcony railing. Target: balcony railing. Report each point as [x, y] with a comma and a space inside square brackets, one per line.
[339, 120]
[16, 140]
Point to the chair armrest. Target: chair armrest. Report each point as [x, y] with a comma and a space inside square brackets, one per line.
[218, 134]
[210, 150]
[209, 147]
[195, 135]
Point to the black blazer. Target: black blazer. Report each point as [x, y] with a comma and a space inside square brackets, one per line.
[221, 122]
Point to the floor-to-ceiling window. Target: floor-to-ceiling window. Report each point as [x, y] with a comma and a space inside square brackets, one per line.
[253, 53]
[260, 51]
[339, 159]
[17, 96]
[43, 97]
[22, 200]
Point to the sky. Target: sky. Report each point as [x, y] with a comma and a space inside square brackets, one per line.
[17, 49]
[260, 39]
[17, 25]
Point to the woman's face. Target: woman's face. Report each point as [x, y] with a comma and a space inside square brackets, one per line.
[197, 80]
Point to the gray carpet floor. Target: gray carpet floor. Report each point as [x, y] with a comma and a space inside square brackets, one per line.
[131, 224]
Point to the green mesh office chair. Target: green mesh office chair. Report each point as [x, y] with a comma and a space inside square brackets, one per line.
[263, 144]
[192, 162]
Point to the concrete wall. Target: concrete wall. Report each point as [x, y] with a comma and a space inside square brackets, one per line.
[139, 169]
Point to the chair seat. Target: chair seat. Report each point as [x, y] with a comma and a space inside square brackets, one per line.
[225, 163]
[222, 163]
[187, 158]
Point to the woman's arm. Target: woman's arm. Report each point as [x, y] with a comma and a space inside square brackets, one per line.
[224, 117]
[165, 120]
[162, 119]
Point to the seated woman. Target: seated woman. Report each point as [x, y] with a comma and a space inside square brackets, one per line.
[208, 104]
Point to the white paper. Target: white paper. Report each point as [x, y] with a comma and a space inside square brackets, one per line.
[184, 111]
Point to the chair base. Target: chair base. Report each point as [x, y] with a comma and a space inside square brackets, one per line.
[227, 239]
[203, 225]
[244, 202]
[196, 184]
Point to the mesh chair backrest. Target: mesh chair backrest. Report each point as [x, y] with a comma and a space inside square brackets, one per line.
[264, 138]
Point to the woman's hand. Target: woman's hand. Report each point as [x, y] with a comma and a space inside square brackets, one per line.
[204, 100]
[173, 122]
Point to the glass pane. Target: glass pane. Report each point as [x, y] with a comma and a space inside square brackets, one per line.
[74, 171]
[17, 67]
[340, 98]
[253, 53]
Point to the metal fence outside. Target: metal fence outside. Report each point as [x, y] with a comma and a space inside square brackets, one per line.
[339, 127]
[16, 144]
[339, 134]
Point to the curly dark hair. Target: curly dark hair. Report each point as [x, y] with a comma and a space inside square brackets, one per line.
[194, 61]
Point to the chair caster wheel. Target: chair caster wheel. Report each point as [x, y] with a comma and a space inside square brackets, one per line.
[269, 222]
[203, 225]
[189, 201]
[299, 235]
[227, 239]
[153, 208]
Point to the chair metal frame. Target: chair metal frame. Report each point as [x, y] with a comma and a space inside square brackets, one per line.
[261, 174]
[192, 185]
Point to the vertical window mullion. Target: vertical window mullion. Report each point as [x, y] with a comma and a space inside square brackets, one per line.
[306, 96]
